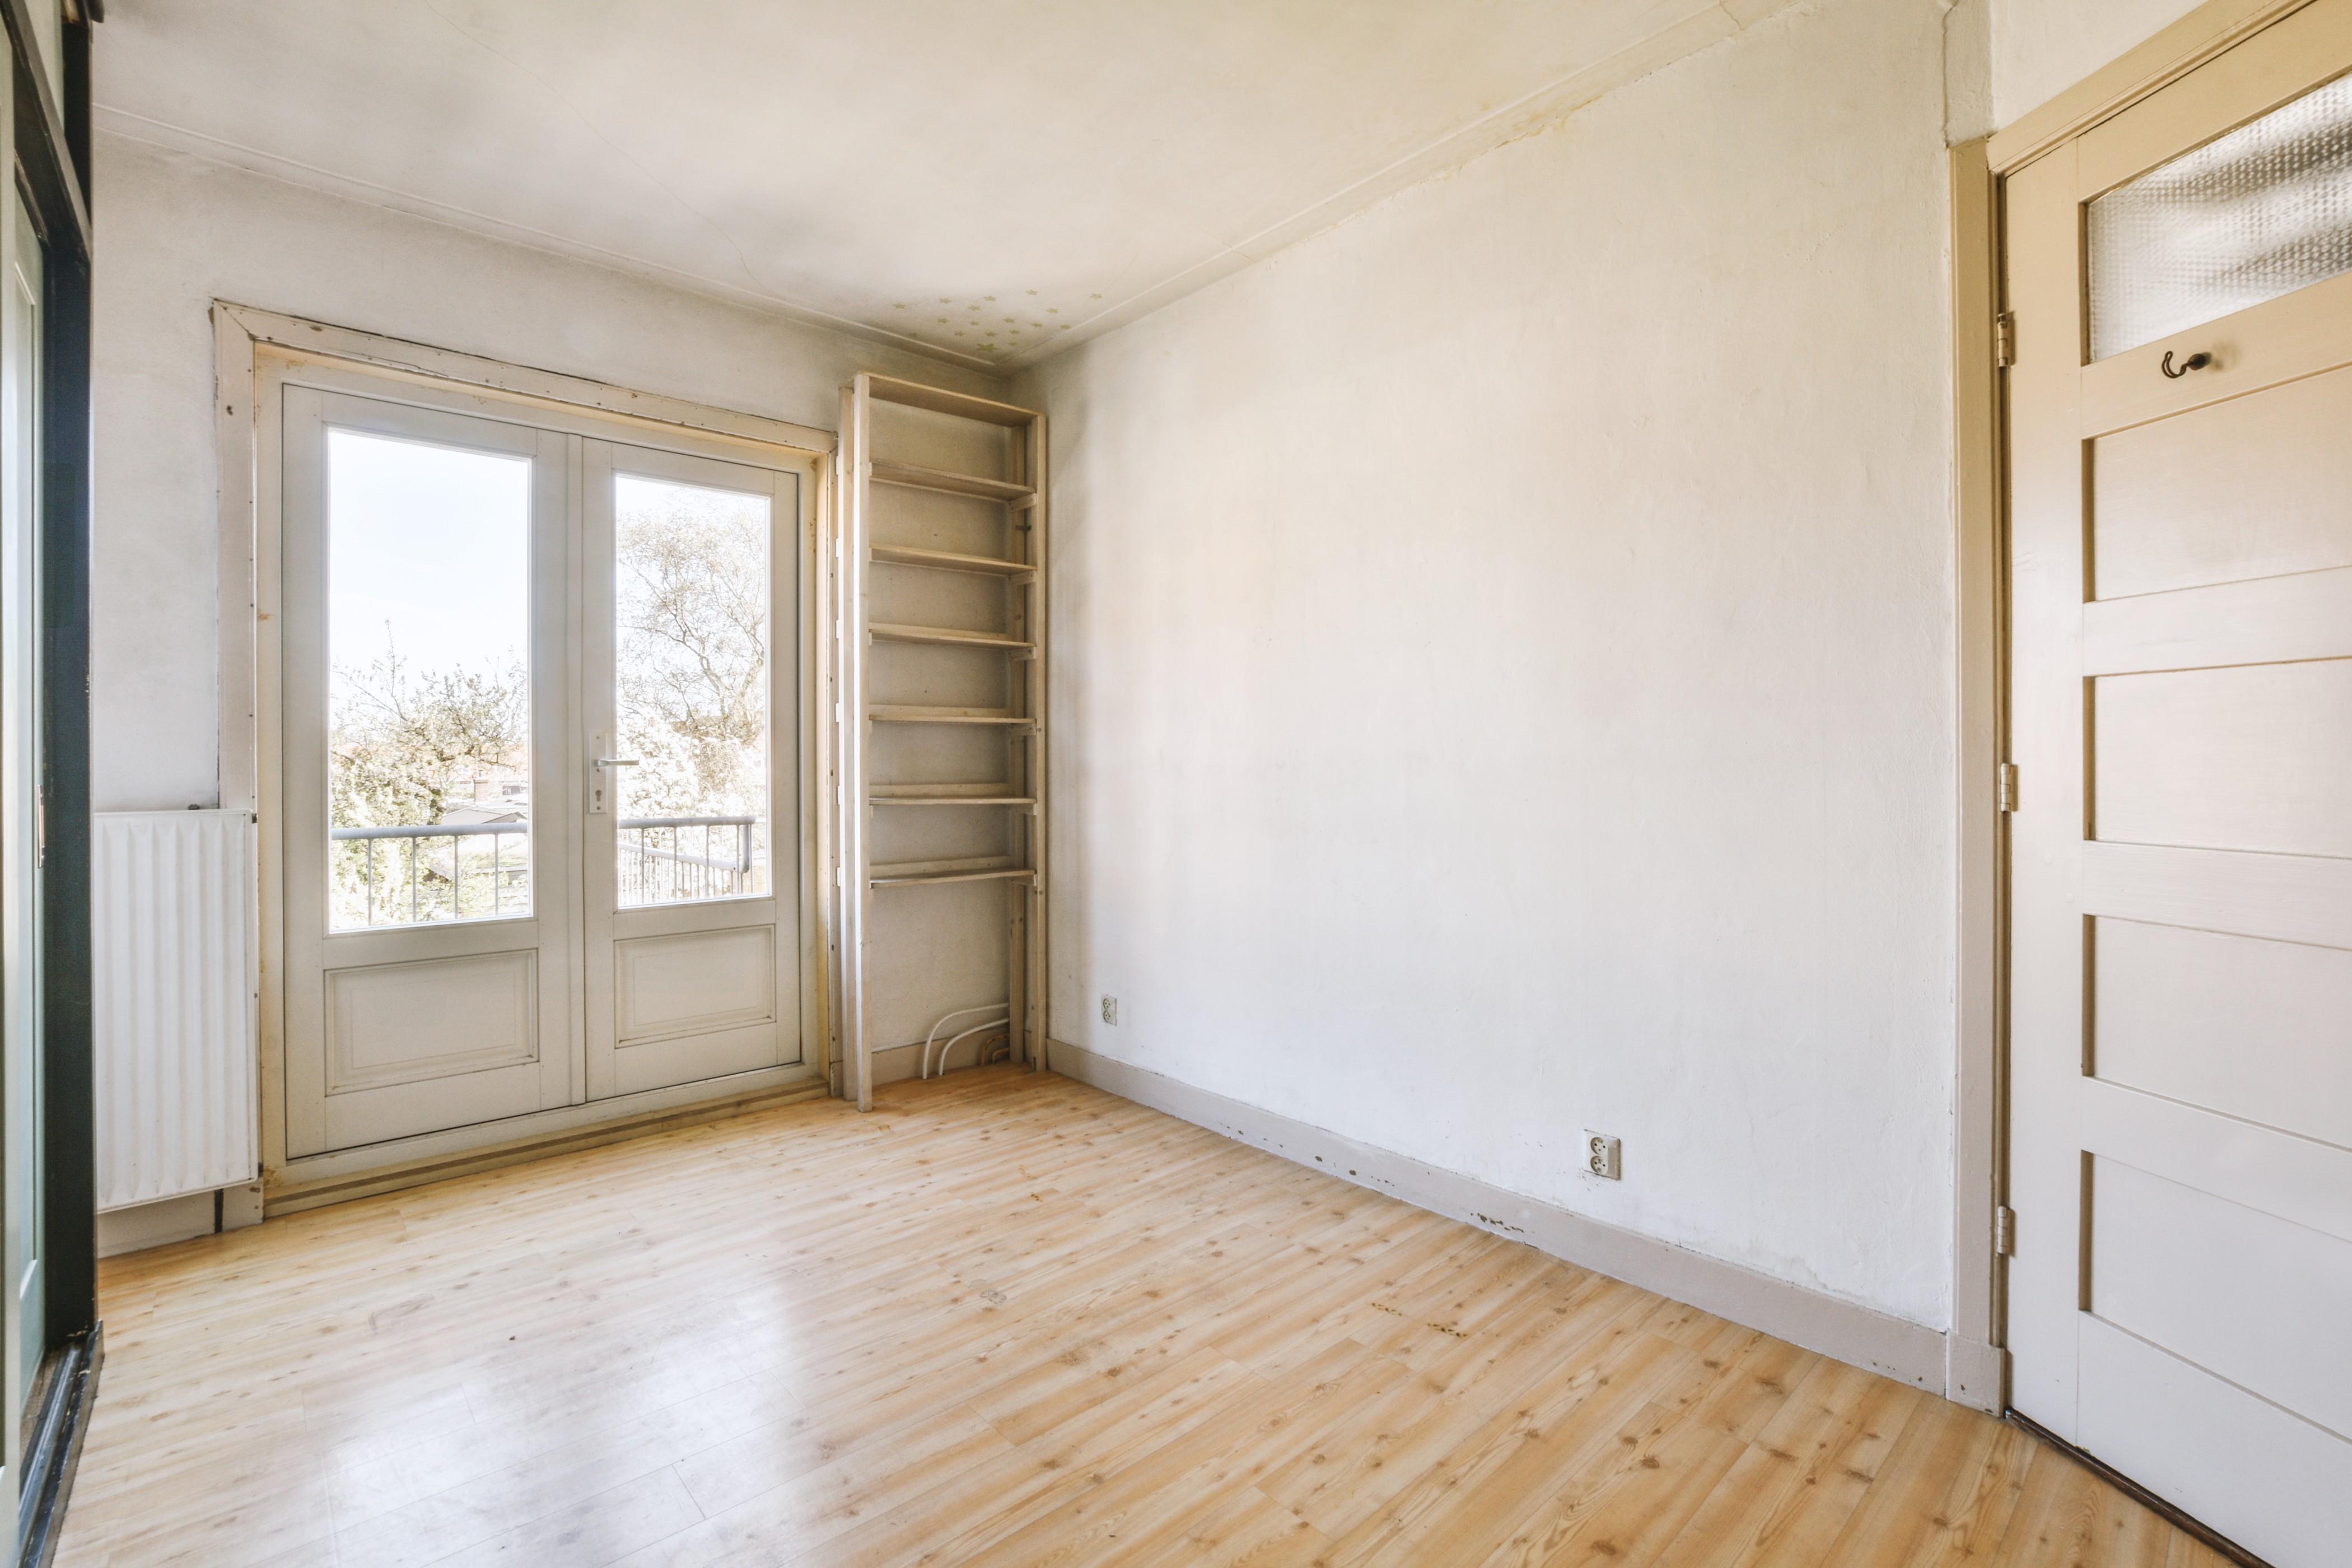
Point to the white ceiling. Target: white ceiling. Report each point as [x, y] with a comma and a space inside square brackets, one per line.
[991, 179]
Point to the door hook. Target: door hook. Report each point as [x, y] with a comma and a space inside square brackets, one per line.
[2197, 361]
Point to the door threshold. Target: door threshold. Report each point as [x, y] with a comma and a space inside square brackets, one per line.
[58, 1421]
[317, 1180]
[2167, 1510]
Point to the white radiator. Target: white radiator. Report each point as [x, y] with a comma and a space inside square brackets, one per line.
[172, 900]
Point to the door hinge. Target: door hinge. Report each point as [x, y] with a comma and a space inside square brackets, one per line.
[2004, 786]
[2004, 339]
[2004, 1231]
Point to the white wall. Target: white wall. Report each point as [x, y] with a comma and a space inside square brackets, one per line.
[1504, 666]
[2042, 48]
[174, 233]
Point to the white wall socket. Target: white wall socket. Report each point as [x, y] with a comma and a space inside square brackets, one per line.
[1110, 1010]
[1603, 1156]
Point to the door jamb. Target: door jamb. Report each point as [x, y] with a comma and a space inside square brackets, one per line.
[1976, 1369]
[246, 342]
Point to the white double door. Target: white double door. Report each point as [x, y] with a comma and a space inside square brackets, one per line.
[539, 763]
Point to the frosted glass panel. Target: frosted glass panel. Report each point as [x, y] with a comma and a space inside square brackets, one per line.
[2261, 212]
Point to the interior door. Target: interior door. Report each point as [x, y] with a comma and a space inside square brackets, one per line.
[2181, 852]
[428, 769]
[693, 893]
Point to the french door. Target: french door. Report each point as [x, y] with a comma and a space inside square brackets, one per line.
[541, 724]
[691, 906]
[2180, 1148]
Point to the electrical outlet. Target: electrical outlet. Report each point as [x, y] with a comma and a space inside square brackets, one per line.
[1110, 1010]
[1604, 1156]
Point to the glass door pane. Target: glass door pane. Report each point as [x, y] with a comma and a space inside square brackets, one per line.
[428, 617]
[691, 641]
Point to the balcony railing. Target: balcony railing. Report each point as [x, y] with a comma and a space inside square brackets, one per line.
[408, 883]
[675, 859]
[407, 876]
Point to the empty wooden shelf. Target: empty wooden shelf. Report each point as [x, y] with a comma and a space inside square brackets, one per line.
[889, 876]
[913, 476]
[949, 636]
[947, 561]
[906, 713]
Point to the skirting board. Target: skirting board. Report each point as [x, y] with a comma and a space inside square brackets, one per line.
[159, 1224]
[1908, 1353]
[140, 1227]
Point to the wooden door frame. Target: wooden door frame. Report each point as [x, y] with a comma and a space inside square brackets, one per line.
[254, 349]
[1976, 1358]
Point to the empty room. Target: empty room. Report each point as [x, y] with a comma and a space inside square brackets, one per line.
[1372, 784]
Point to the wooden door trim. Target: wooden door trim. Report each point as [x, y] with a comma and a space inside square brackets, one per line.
[1975, 1366]
[2210, 30]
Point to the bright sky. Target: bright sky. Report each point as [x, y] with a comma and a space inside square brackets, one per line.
[433, 542]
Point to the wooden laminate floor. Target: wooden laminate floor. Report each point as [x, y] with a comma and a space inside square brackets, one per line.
[1003, 1320]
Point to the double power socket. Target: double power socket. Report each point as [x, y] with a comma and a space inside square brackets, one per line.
[1603, 1156]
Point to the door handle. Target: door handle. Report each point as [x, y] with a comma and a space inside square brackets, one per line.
[596, 784]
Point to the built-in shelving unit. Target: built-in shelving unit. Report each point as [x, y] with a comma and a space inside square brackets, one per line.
[874, 537]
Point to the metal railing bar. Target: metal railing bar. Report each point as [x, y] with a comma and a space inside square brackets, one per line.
[432, 830]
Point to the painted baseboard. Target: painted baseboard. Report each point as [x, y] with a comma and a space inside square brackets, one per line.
[159, 1224]
[1976, 1373]
[167, 1220]
[1858, 1335]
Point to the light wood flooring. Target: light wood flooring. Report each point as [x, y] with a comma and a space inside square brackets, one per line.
[1003, 1320]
